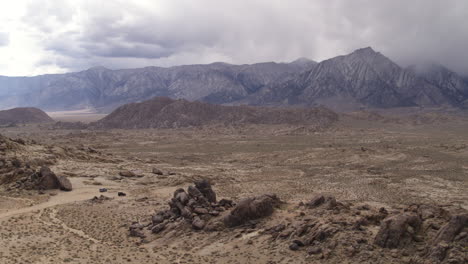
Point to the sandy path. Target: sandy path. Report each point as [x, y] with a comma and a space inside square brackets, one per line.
[79, 193]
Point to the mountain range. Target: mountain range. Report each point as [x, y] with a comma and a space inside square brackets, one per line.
[362, 79]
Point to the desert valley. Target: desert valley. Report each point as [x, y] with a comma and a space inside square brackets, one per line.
[338, 188]
[265, 132]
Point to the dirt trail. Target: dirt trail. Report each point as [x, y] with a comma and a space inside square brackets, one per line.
[57, 221]
[79, 193]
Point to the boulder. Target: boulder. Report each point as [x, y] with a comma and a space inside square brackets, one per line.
[157, 219]
[198, 223]
[226, 203]
[314, 250]
[200, 210]
[451, 229]
[182, 197]
[157, 171]
[127, 173]
[197, 195]
[47, 179]
[64, 183]
[250, 209]
[158, 228]
[136, 230]
[319, 232]
[293, 246]
[322, 199]
[398, 230]
[446, 235]
[205, 188]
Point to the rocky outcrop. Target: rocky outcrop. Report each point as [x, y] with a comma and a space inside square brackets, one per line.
[195, 206]
[47, 180]
[325, 229]
[446, 235]
[398, 230]
[44, 179]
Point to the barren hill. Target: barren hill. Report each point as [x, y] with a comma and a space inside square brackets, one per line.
[163, 112]
[24, 115]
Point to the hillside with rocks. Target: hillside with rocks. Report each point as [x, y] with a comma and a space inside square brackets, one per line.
[163, 112]
[24, 164]
[23, 115]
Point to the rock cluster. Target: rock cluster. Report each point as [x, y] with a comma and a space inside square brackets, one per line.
[198, 207]
[195, 206]
[419, 233]
[322, 227]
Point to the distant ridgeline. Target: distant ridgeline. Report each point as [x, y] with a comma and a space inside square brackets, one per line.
[362, 79]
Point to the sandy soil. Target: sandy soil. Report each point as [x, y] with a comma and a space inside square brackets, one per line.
[388, 166]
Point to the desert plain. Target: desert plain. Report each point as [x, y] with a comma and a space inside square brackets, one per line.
[366, 165]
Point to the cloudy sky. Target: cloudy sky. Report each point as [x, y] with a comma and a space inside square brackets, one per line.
[53, 36]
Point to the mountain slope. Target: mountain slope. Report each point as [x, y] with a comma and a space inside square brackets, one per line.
[163, 112]
[103, 88]
[23, 115]
[450, 83]
[362, 78]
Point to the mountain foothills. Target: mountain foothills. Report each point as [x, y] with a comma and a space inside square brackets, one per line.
[23, 115]
[362, 79]
[164, 112]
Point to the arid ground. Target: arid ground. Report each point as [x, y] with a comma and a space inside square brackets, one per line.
[360, 163]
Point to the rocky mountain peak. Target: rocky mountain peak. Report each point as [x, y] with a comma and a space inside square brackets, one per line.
[303, 60]
[365, 51]
[98, 69]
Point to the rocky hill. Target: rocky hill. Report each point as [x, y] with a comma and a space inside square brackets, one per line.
[163, 112]
[22, 115]
[362, 79]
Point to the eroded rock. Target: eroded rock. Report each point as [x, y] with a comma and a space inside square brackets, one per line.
[398, 230]
[251, 208]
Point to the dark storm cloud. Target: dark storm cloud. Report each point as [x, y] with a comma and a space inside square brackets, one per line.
[130, 34]
[414, 31]
[4, 39]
